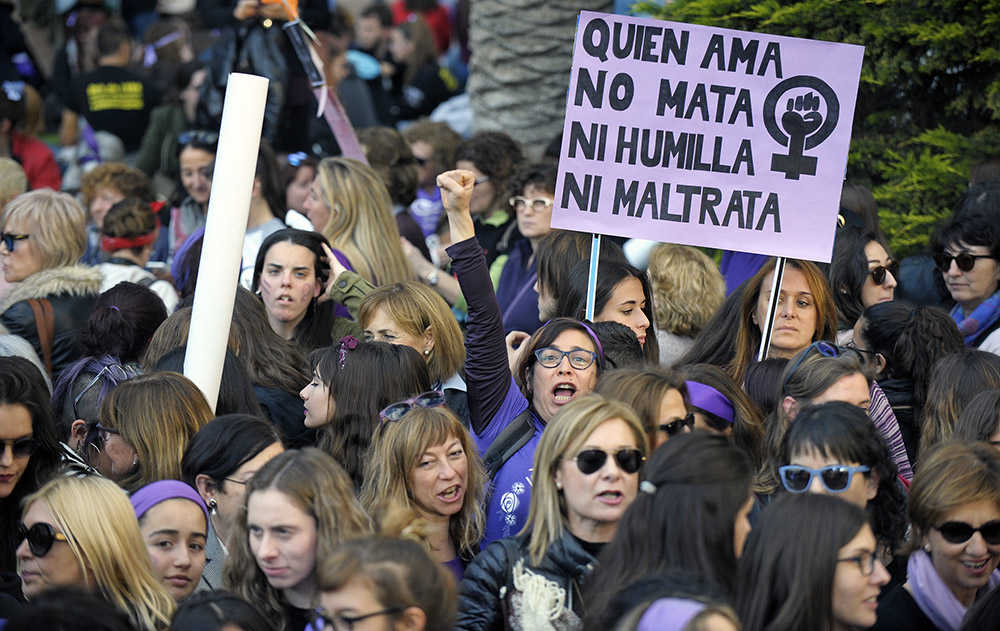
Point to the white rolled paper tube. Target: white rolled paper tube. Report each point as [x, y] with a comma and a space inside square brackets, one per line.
[225, 227]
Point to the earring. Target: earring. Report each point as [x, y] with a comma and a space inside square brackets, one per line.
[427, 351]
[213, 506]
[558, 486]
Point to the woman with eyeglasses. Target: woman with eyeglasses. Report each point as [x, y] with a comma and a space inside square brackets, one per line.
[690, 515]
[196, 157]
[42, 237]
[967, 253]
[383, 583]
[862, 273]
[586, 474]
[29, 453]
[296, 509]
[352, 381]
[901, 343]
[82, 531]
[145, 427]
[510, 408]
[834, 449]
[810, 563]
[424, 467]
[658, 396]
[954, 511]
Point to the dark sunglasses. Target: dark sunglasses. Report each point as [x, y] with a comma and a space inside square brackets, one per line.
[398, 410]
[198, 137]
[964, 260]
[678, 425]
[40, 536]
[960, 532]
[835, 478]
[20, 448]
[879, 273]
[825, 349]
[10, 239]
[591, 461]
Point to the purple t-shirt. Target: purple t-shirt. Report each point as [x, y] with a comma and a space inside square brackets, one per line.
[508, 508]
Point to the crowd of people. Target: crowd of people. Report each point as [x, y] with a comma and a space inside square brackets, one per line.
[417, 426]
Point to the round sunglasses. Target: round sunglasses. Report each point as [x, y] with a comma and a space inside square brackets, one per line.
[41, 537]
[591, 461]
[960, 532]
[964, 260]
[835, 478]
[879, 273]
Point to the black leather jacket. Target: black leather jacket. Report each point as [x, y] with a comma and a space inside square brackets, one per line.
[492, 595]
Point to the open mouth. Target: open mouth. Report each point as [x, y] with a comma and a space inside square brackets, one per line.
[976, 565]
[451, 493]
[563, 393]
[612, 498]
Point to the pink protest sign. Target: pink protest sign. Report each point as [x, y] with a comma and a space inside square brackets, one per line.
[706, 136]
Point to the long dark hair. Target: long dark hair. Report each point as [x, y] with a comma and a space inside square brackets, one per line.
[978, 421]
[843, 431]
[268, 175]
[270, 360]
[368, 378]
[682, 519]
[314, 329]
[224, 445]
[572, 302]
[849, 271]
[22, 384]
[785, 578]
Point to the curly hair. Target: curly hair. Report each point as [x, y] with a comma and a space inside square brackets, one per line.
[687, 288]
[128, 181]
[440, 136]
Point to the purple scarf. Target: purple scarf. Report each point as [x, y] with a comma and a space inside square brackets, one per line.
[982, 317]
[933, 597]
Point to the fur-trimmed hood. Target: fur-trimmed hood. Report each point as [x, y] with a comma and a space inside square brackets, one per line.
[73, 280]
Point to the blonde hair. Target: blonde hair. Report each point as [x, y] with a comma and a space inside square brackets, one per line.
[157, 414]
[60, 230]
[687, 288]
[396, 453]
[361, 223]
[102, 531]
[416, 308]
[319, 486]
[13, 181]
[566, 432]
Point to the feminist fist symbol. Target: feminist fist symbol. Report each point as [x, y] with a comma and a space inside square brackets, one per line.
[802, 126]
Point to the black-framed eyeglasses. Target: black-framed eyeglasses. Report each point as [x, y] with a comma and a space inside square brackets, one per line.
[879, 273]
[538, 204]
[835, 478]
[579, 358]
[964, 260]
[825, 349]
[41, 537]
[865, 560]
[677, 426]
[960, 532]
[117, 372]
[198, 137]
[10, 239]
[22, 447]
[341, 622]
[591, 461]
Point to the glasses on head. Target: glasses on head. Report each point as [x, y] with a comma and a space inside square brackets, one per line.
[40, 536]
[865, 560]
[964, 260]
[398, 410]
[677, 426]
[340, 622]
[879, 273]
[10, 239]
[591, 461]
[825, 349]
[538, 204]
[297, 158]
[198, 137]
[835, 478]
[22, 447]
[960, 532]
[116, 372]
[579, 358]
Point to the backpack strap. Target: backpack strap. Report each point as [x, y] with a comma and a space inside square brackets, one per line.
[509, 442]
[45, 325]
[146, 281]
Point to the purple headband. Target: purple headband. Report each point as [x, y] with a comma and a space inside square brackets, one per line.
[669, 614]
[711, 400]
[597, 342]
[155, 492]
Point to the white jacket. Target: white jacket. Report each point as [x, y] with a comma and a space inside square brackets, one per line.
[114, 273]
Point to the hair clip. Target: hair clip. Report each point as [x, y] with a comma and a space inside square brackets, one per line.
[347, 343]
[647, 487]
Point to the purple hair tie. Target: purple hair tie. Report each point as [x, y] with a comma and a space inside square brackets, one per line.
[711, 400]
[115, 308]
[347, 343]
